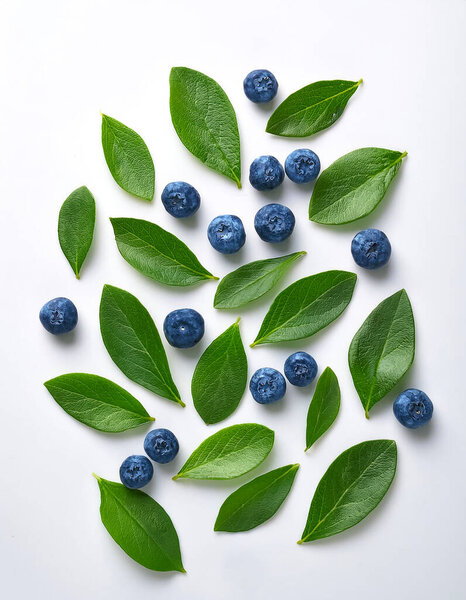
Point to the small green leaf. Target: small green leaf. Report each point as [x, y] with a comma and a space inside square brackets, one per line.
[306, 306]
[351, 488]
[140, 526]
[353, 185]
[205, 121]
[312, 108]
[133, 342]
[97, 402]
[76, 227]
[128, 159]
[257, 501]
[220, 377]
[157, 253]
[382, 350]
[324, 407]
[251, 281]
[229, 453]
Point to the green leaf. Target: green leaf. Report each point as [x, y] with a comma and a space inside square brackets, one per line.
[140, 526]
[128, 159]
[351, 488]
[133, 342]
[157, 253]
[229, 453]
[312, 108]
[251, 281]
[383, 349]
[324, 407]
[205, 121]
[306, 306]
[220, 377]
[353, 185]
[97, 402]
[76, 223]
[257, 501]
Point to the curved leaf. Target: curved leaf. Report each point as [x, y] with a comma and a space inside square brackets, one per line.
[324, 407]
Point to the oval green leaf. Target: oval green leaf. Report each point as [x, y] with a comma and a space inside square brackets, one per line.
[251, 281]
[312, 108]
[353, 185]
[133, 342]
[220, 377]
[128, 159]
[97, 402]
[306, 306]
[324, 407]
[157, 253]
[229, 453]
[351, 488]
[257, 501]
[76, 223]
[140, 526]
[205, 121]
[383, 349]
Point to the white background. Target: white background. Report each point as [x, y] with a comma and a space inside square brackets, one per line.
[63, 62]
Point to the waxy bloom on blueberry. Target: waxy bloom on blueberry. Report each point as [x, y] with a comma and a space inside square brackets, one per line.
[260, 86]
[161, 445]
[413, 408]
[302, 166]
[300, 369]
[371, 249]
[267, 385]
[180, 199]
[266, 173]
[226, 234]
[274, 223]
[136, 471]
[58, 316]
[183, 328]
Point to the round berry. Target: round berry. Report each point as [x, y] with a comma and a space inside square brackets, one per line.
[260, 86]
[161, 445]
[183, 328]
[180, 199]
[302, 166]
[274, 223]
[136, 471]
[59, 316]
[413, 408]
[266, 173]
[267, 385]
[371, 249]
[226, 234]
[300, 369]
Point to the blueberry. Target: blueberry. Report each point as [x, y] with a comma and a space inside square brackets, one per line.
[161, 445]
[183, 328]
[267, 385]
[300, 369]
[302, 166]
[58, 316]
[413, 408]
[266, 173]
[136, 471]
[371, 249]
[226, 234]
[180, 199]
[260, 86]
[274, 223]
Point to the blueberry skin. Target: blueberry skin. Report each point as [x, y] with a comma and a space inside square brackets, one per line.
[136, 471]
[260, 86]
[300, 369]
[371, 249]
[266, 173]
[274, 223]
[302, 166]
[413, 408]
[183, 328]
[180, 199]
[226, 234]
[267, 385]
[59, 316]
[161, 445]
